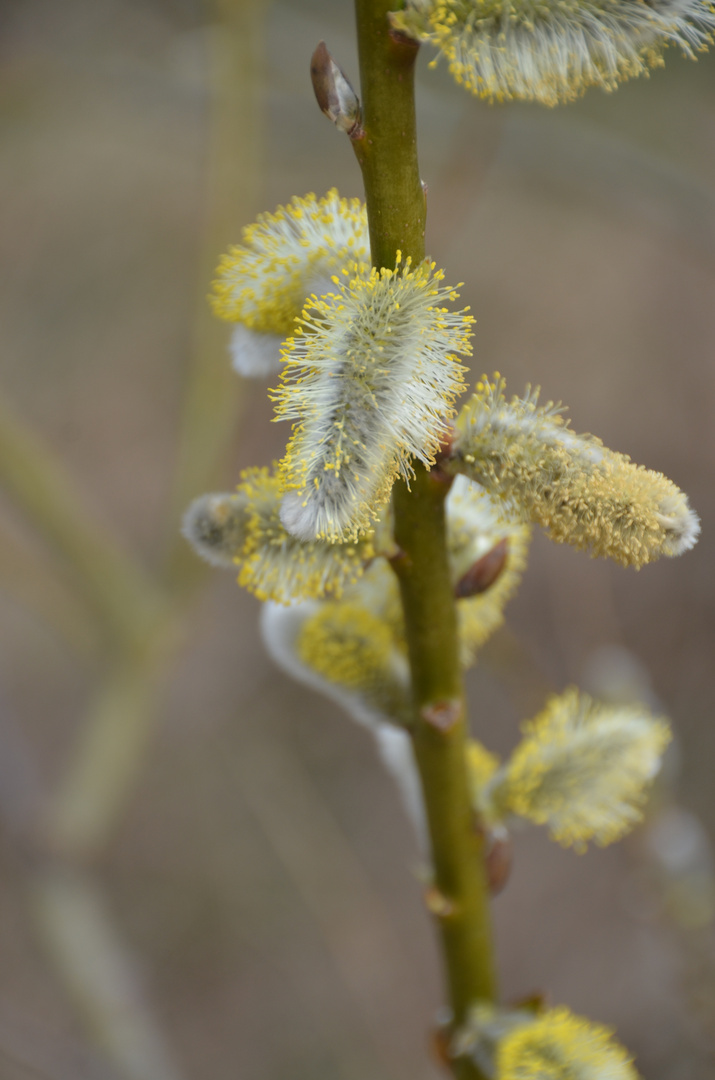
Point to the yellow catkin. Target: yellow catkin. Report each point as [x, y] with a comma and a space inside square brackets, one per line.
[561, 1046]
[579, 491]
[369, 381]
[244, 529]
[350, 647]
[263, 283]
[553, 50]
[583, 769]
[274, 565]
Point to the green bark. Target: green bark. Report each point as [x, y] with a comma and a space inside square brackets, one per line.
[387, 152]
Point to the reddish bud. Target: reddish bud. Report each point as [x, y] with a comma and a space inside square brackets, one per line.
[441, 1042]
[484, 572]
[333, 92]
[498, 858]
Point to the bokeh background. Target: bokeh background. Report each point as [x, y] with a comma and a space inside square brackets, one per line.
[251, 906]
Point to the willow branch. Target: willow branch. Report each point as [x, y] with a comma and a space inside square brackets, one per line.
[387, 153]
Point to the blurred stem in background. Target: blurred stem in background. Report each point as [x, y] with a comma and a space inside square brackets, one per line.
[139, 618]
[234, 154]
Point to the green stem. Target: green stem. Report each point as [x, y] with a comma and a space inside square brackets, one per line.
[387, 153]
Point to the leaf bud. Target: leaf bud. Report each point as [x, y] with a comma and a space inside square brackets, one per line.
[498, 858]
[333, 92]
[484, 572]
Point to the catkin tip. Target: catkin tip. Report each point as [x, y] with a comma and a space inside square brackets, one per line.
[212, 525]
[254, 354]
[681, 525]
[297, 516]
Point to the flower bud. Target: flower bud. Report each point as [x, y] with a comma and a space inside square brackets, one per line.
[476, 527]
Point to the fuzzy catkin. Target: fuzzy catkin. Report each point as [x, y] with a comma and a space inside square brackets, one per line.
[561, 1046]
[553, 50]
[263, 282]
[243, 530]
[574, 487]
[370, 380]
[583, 769]
[345, 644]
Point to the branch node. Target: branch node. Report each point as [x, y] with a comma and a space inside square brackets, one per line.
[442, 715]
[438, 904]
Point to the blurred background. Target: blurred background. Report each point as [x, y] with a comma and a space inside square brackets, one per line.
[204, 871]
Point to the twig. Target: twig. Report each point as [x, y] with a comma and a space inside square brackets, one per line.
[387, 153]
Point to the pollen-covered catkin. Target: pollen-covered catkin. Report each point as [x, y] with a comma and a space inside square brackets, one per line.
[264, 282]
[370, 380]
[343, 651]
[582, 768]
[244, 529]
[582, 493]
[553, 50]
[473, 527]
[561, 1046]
[347, 645]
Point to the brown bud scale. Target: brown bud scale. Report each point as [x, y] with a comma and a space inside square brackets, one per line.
[484, 572]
